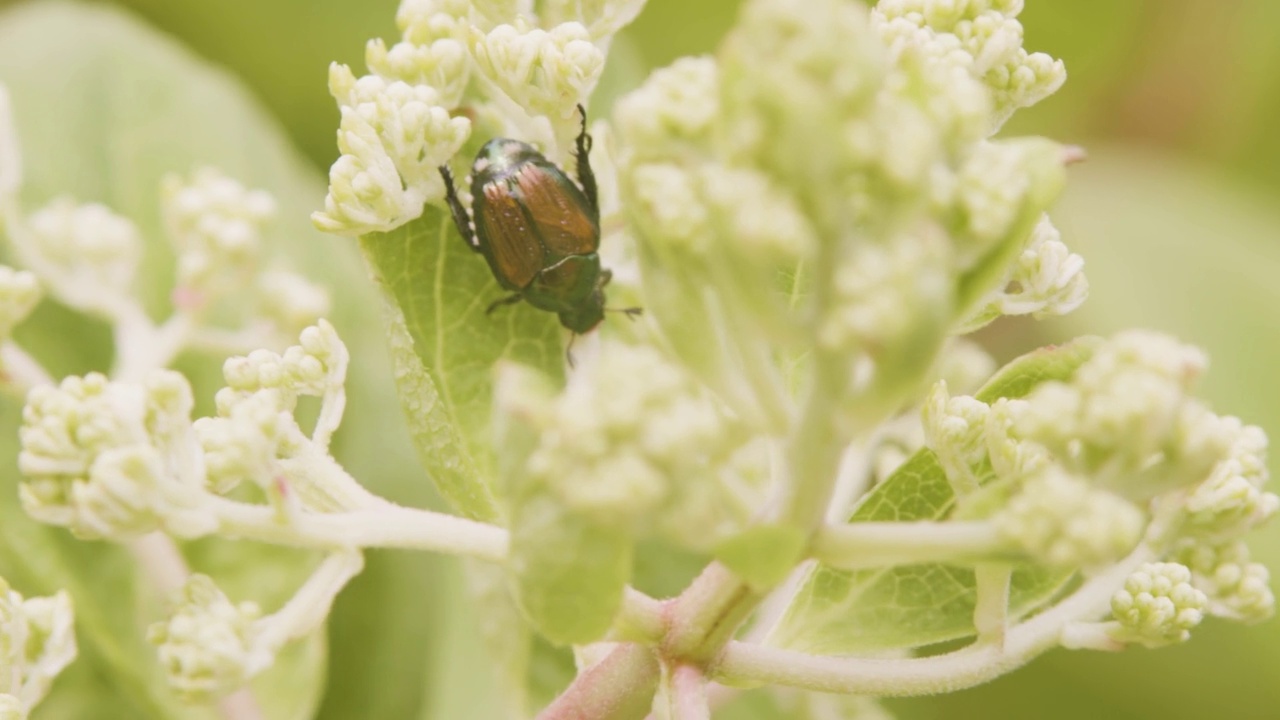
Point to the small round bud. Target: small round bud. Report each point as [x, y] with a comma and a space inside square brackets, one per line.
[1158, 605]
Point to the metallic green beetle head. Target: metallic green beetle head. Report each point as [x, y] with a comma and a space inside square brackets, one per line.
[590, 311]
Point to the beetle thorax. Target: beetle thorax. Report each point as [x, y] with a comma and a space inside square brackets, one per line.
[501, 154]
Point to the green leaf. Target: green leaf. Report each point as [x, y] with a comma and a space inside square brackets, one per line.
[762, 555]
[570, 572]
[841, 611]
[443, 289]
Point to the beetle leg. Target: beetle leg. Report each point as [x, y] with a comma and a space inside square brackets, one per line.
[511, 299]
[587, 177]
[460, 216]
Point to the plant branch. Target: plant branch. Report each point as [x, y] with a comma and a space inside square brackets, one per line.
[619, 687]
[387, 526]
[880, 544]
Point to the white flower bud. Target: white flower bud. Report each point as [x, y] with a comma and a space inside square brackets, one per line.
[442, 65]
[19, 294]
[547, 72]
[1049, 278]
[1238, 589]
[1122, 407]
[673, 113]
[631, 434]
[1158, 605]
[244, 444]
[215, 224]
[90, 251]
[425, 21]
[37, 641]
[207, 646]
[393, 138]
[955, 429]
[1062, 521]
[111, 460]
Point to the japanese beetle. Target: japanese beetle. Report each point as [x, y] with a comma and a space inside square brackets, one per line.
[538, 230]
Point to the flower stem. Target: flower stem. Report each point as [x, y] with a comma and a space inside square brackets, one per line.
[880, 544]
[386, 526]
[619, 687]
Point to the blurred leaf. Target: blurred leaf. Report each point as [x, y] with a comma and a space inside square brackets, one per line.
[842, 611]
[281, 49]
[569, 570]
[763, 555]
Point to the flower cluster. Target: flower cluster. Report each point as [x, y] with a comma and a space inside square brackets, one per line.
[37, 640]
[19, 294]
[892, 221]
[402, 121]
[631, 442]
[117, 460]
[1122, 447]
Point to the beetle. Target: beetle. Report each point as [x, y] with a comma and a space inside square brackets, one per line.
[538, 230]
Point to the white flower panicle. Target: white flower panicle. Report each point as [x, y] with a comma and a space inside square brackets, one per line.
[1158, 606]
[888, 295]
[548, 72]
[208, 647]
[106, 459]
[1237, 588]
[1061, 520]
[630, 435]
[1049, 277]
[424, 21]
[983, 37]
[393, 136]
[255, 427]
[19, 295]
[398, 125]
[37, 641]
[1121, 408]
[1000, 191]
[215, 224]
[602, 17]
[92, 252]
[955, 429]
[1231, 501]
[116, 459]
[442, 65]
[674, 113]
[873, 154]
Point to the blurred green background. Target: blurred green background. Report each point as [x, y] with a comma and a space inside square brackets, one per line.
[1176, 213]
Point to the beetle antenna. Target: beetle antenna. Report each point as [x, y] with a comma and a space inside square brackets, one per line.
[632, 312]
[568, 351]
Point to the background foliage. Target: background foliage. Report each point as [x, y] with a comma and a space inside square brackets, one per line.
[1177, 102]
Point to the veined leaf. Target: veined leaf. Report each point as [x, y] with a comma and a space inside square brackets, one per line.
[846, 612]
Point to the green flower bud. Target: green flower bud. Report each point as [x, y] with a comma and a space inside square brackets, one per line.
[1158, 605]
[207, 646]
